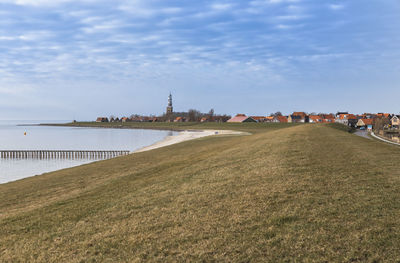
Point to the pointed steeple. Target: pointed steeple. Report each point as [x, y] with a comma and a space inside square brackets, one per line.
[170, 100]
[170, 109]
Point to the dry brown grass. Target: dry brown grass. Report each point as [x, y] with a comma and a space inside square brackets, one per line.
[303, 193]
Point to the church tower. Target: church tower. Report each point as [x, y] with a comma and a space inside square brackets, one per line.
[170, 109]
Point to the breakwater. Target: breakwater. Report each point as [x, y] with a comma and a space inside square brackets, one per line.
[59, 154]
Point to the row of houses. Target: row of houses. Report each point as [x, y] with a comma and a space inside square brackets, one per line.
[296, 117]
[362, 121]
[365, 120]
[216, 118]
[128, 119]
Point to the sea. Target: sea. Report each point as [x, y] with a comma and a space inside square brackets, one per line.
[28, 135]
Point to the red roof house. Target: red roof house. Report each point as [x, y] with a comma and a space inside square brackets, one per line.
[315, 119]
[102, 119]
[281, 119]
[258, 118]
[241, 118]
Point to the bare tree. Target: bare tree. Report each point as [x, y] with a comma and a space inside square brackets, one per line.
[194, 115]
[211, 115]
[276, 114]
[381, 123]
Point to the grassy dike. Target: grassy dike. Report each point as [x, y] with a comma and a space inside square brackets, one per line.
[285, 193]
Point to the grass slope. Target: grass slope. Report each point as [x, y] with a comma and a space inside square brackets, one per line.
[306, 192]
[248, 127]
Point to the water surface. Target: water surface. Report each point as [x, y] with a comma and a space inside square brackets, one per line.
[14, 137]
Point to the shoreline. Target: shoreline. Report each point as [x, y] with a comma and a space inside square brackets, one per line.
[111, 127]
[184, 134]
[187, 135]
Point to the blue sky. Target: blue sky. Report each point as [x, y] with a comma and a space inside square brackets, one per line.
[71, 59]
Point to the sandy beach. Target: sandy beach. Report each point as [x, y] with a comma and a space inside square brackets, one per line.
[188, 135]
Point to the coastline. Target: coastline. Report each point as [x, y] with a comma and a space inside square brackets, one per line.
[186, 136]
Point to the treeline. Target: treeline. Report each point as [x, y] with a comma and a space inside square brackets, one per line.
[194, 115]
[191, 115]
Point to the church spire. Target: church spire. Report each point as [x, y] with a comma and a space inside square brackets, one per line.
[170, 109]
[170, 100]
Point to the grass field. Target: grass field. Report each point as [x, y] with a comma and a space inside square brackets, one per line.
[286, 193]
[177, 126]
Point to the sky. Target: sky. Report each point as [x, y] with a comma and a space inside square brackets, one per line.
[79, 59]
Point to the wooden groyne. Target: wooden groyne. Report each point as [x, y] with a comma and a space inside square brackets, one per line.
[59, 154]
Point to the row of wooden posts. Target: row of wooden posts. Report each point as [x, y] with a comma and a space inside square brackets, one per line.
[33, 154]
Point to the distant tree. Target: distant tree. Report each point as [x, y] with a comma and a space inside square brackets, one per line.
[194, 115]
[211, 115]
[222, 118]
[276, 114]
[381, 123]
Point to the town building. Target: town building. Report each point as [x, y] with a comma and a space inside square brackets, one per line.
[241, 118]
[298, 117]
[395, 121]
[170, 109]
[315, 119]
[102, 119]
[365, 123]
[280, 119]
[259, 118]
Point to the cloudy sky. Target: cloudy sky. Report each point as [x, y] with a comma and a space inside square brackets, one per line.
[71, 59]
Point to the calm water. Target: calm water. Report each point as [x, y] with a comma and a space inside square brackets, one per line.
[63, 138]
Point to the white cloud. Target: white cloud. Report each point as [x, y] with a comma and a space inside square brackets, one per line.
[336, 6]
[17, 89]
[7, 38]
[220, 6]
[42, 2]
[291, 17]
[269, 2]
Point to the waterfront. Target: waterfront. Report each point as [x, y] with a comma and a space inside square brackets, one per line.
[15, 137]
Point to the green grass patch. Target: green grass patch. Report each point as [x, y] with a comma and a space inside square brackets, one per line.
[308, 193]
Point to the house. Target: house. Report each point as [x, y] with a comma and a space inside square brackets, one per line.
[328, 119]
[395, 120]
[315, 119]
[352, 122]
[241, 118]
[344, 118]
[341, 113]
[125, 119]
[258, 118]
[204, 119]
[367, 116]
[147, 119]
[102, 119]
[281, 119]
[295, 119]
[269, 119]
[365, 123]
[180, 119]
[383, 115]
[298, 117]
[136, 119]
[327, 116]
